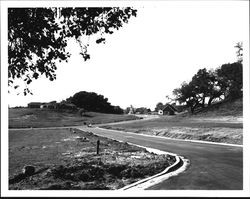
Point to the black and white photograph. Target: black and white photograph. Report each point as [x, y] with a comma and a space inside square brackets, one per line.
[125, 98]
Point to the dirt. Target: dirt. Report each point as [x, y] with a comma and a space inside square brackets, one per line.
[223, 135]
[77, 166]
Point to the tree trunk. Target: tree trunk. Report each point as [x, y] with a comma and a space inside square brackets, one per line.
[210, 101]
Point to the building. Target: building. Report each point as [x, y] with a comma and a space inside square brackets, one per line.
[67, 106]
[168, 109]
[35, 105]
[51, 105]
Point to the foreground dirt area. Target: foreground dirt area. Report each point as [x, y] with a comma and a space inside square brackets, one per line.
[67, 159]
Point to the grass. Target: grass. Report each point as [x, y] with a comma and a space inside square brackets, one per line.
[224, 108]
[27, 117]
[63, 161]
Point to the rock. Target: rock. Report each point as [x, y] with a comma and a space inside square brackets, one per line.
[28, 170]
[85, 139]
[82, 139]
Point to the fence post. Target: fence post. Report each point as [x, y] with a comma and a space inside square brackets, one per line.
[97, 147]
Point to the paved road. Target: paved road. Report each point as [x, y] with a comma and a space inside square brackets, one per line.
[212, 167]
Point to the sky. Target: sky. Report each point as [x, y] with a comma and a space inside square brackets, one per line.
[150, 56]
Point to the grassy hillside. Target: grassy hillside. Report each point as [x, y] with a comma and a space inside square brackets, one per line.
[228, 108]
[26, 117]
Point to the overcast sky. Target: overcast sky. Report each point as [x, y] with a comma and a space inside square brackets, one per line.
[150, 56]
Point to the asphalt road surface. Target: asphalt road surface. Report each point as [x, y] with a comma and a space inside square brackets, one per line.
[212, 167]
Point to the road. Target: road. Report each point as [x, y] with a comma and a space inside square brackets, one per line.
[212, 167]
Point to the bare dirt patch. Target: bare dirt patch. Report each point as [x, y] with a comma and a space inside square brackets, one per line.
[66, 159]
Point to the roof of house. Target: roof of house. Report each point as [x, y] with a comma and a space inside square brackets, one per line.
[68, 104]
[170, 107]
[35, 103]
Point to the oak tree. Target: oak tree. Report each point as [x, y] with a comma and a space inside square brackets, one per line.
[37, 37]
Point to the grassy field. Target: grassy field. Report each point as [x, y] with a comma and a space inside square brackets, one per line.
[26, 117]
[220, 123]
[67, 159]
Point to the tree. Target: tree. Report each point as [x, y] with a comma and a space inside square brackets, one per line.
[169, 99]
[225, 82]
[118, 110]
[186, 94]
[37, 37]
[126, 111]
[142, 110]
[159, 106]
[239, 47]
[207, 86]
[90, 101]
[230, 79]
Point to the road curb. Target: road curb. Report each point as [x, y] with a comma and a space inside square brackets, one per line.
[179, 166]
[173, 170]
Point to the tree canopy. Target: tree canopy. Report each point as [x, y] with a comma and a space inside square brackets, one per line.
[159, 106]
[91, 101]
[223, 83]
[37, 37]
[226, 82]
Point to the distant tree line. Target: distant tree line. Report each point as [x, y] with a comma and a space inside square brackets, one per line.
[206, 86]
[90, 101]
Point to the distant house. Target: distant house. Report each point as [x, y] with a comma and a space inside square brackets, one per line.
[68, 106]
[168, 109]
[35, 105]
[52, 105]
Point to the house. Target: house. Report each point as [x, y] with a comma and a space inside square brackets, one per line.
[35, 105]
[68, 106]
[168, 109]
[52, 105]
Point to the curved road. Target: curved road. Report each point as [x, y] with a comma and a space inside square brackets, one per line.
[212, 167]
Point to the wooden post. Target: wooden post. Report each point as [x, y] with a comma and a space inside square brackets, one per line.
[97, 147]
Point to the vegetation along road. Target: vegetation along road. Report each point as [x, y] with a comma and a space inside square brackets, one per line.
[212, 167]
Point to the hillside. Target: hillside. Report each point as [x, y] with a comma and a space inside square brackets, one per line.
[230, 111]
[228, 108]
[36, 117]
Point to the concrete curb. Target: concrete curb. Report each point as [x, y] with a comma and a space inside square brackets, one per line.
[173, 170]
[179, 166]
